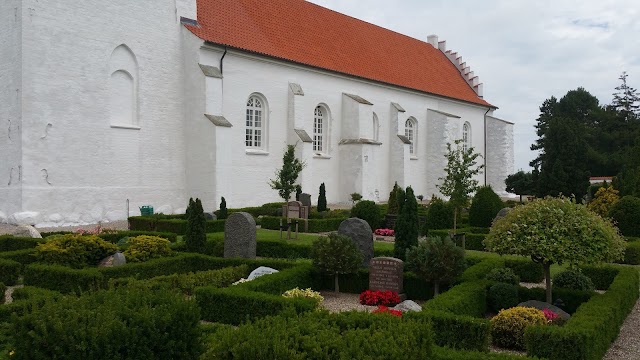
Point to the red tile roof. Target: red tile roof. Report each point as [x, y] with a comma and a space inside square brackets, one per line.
[305, 33]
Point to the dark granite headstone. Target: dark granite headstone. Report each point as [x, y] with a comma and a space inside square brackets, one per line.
[305, 199]
[541, 305]
[240, 236]
[386, 273]
[361, 234]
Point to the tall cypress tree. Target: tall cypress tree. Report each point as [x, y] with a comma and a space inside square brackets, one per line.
[407, 227]
[322, 199]
[196, 236]
[392, 204]
[223, 209]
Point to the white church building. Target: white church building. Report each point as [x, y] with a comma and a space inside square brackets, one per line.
[151, 102]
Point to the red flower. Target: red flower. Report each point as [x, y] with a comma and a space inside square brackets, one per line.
[373, 298]
[385, 310]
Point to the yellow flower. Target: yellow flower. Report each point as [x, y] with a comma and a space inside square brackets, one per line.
[12, 352]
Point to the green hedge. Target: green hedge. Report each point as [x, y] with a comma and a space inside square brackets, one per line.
[269, 209]
[469, 298]
[593, 327]
[472, 241]
[601, 275]
[632, 253]
[67, 280]
[3, 288]
[444, 353]
[319, 335]
[171, 225]
[480, 270]
[315, 225]
[131, 323]
[257, 298]
[115, 237]
[24, 257]
[26, 298]
[526, 269]
[9, 271]
[11, 243]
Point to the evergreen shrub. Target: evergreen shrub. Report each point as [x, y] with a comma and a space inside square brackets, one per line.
[503, 296]
[74, 250]
[322, 199]
[504, 275]
[439, 215]
[368, 211]
[143, 248]
[508, 327]
[484, 207]
[195, 236]
[129, 322]
[407, 227]
[572, 279]
[9, 272]
[11, 243]
[626, 214]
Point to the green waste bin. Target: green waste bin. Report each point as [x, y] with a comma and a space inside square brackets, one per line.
[146, 210]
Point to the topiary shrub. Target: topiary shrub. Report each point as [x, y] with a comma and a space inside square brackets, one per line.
[223, 212]
[196, 234]
[503, 296]
[368, 211]
[144, 247]
[604, 200]
[484, 207]
[407, 228]
[504, 275]
[626, 213]
[439, 215]
[125, 323]
[304, 293]
[392, 208]
[507, 328]
[74, 250]
[572, 279]
[322, 199]
[336, 255]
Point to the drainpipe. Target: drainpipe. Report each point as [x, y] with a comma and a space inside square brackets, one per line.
[222, 58]
[485, 146]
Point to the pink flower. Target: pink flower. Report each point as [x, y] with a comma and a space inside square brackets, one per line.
[550, 315]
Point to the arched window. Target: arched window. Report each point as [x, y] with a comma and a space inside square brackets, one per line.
[411, 132]
[466, 136]
[320, 126]
[256, 123]
[123, 88]
[376, 128]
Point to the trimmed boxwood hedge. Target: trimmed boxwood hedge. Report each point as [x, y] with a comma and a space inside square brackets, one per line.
[632, 253]
[456, 331]
[9, 271]
[24, 257]
[11, 243]
[314, 225]
[601, 275]
[572, 299]
[67, 280]
[115, 237]
[171, 225]
[592, 328]
[472, 241]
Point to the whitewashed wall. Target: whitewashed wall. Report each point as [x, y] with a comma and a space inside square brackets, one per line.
[10, 108]
[500, 153]
[75, 167]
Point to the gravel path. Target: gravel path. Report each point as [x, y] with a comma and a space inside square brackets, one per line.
[8, 298]
[627, 345]
[343, 302]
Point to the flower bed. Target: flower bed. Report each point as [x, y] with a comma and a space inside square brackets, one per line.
[378, 297]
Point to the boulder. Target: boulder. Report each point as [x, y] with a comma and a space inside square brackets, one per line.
[541, 305]
[3, 218]
[361, 234]
[262, 270]
[407, 306]
[117, 259]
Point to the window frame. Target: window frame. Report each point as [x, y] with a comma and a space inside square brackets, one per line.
[321, 147]
[411, 132]
[250, 129]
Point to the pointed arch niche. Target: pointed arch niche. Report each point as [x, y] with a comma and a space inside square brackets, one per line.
[123, 89]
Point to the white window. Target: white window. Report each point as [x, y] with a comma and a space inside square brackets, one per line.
[376, 128]
[255, 123]
[320, 120]
[466, 136]
[411, 131]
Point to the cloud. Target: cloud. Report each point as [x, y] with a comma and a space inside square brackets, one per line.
[523, 52]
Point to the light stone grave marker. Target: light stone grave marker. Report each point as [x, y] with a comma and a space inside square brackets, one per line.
[262, 270]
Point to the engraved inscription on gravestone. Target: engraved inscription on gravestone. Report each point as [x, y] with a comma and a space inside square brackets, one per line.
[293, 209]
[386, 273]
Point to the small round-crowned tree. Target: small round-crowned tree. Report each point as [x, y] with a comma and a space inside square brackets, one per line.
[335, 255]
[436, 260]
[556, 231]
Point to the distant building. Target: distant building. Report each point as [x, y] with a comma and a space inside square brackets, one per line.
[156, 101]
[600, 179]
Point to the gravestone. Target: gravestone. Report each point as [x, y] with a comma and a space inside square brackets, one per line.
[240, 236]
[541, 305]
[293, 209]
[407, 306]
[502, 213]
[262, 270]
[305, 199]
[361, 234]
[386, 273]
[114, 260]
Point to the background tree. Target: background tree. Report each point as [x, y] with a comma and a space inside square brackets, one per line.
[407, 228]
[484, 207]
[626, 213]
[436, 260]
[286, 177]
[626, 99]
[223, 209]
[520, 183]
[196, 235]
[556, 231]
[336, 255]
[603, 201]
[322, 199]
[459, 184]
[368, 211]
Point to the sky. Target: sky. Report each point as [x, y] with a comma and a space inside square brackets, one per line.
[523, 51]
